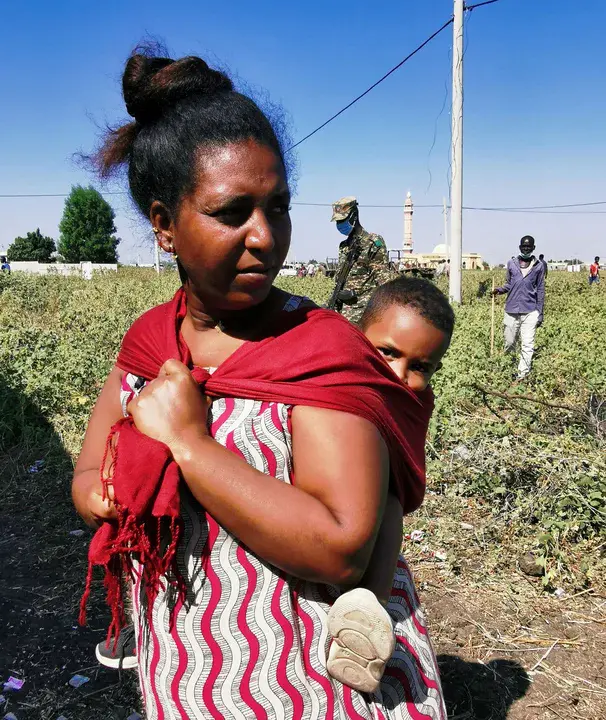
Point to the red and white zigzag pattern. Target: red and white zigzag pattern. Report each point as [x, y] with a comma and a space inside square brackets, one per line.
[251, 642]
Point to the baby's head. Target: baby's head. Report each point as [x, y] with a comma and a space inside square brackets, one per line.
[410, 322]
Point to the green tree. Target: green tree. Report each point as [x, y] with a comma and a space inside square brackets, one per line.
[34, 246]
[87, 228]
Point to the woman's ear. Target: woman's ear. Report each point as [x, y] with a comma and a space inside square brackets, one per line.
[162, 226]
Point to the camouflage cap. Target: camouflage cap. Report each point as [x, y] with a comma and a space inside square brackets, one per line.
[342, 208]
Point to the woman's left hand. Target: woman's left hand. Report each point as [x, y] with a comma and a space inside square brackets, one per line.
[171, 409]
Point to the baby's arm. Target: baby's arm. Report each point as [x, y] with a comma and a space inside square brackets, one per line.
[381, 568]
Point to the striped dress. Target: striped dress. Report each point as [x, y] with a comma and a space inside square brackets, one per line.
[251, 641]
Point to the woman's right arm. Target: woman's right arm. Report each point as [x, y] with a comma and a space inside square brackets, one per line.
[87, 491]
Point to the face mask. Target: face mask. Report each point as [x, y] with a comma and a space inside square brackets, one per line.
[525, 256]
[345, 227]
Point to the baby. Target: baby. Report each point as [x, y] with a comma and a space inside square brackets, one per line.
[410, 323]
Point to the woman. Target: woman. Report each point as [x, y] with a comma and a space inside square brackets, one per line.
[282, 501]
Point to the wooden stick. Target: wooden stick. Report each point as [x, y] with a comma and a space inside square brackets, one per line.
[543, 657]
[530, 398]
[492, 322]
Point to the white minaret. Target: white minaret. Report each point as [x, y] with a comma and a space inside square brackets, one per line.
[408, 224]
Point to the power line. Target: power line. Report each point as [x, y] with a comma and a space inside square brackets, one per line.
[54, 195]
[401, 207]
[543, 207]
[540, 212]
[538, 209]
[469, 8]
[372, 87]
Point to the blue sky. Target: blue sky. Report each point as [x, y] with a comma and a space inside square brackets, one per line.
[535, 109]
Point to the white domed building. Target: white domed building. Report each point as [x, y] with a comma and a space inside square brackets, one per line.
[471, 261]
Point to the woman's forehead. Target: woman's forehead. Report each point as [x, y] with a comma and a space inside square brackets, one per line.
[239, 168]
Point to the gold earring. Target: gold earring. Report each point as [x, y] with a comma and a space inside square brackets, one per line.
[155, 231]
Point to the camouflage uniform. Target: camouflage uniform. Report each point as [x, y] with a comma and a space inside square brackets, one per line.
[370, 270]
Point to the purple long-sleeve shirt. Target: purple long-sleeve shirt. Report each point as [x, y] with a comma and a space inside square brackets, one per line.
[524, 294]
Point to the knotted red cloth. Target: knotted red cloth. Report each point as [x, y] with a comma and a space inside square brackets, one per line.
[311, 357]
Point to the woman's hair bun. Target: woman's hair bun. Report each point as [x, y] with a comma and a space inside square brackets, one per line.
[151, 85]
[179, 107]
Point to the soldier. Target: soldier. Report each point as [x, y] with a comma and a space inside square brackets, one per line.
[371, 266]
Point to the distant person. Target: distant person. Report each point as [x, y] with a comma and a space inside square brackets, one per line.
[5, 267]
[525, 289]
[371, 264]
[443, 269]
[542, 259]
[594, 271]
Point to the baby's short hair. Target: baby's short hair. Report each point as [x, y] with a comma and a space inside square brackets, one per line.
[414, 292]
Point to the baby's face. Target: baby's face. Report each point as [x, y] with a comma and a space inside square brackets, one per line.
[410, 344]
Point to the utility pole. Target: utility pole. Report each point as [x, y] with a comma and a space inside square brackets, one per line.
[157, 254]
[446, 248]
[456, 188]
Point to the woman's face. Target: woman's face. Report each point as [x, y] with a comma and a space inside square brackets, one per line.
[232, 233]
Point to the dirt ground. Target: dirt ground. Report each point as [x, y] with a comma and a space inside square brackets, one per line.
[507, 651]
[506, 648]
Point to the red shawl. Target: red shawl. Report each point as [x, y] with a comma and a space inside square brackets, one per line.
[314, 357]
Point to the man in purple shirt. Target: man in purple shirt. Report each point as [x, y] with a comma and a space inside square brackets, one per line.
[525, 289]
